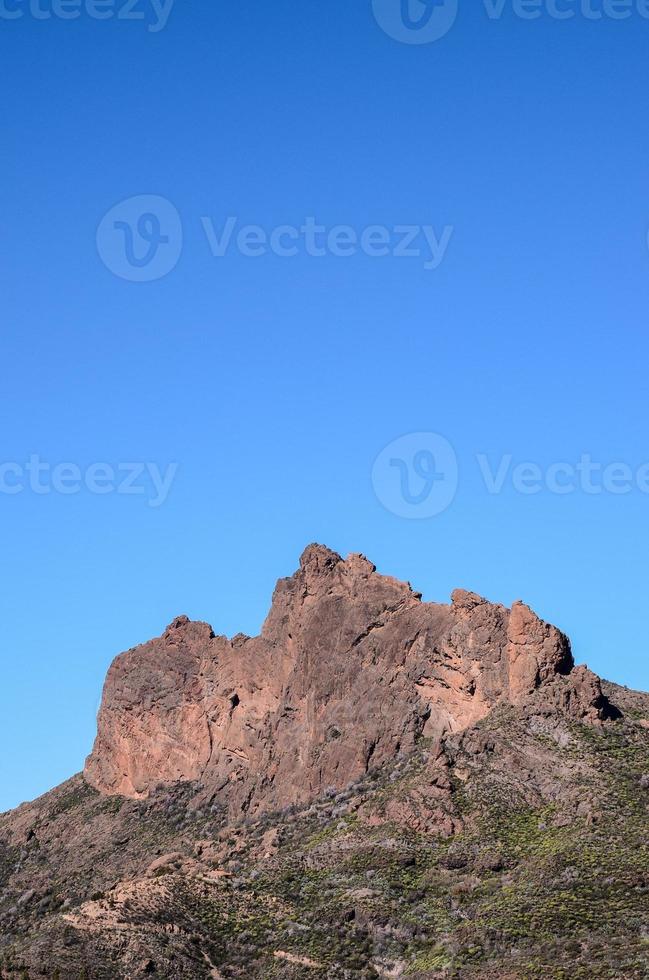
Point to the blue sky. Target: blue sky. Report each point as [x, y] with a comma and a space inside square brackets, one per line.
[274, 385]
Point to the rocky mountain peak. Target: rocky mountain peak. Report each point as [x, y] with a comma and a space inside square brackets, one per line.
[350, 670]
[374, 787]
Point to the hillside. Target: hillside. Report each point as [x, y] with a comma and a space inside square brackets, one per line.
[373, 787]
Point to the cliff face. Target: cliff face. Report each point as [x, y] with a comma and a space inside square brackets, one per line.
[350, 669]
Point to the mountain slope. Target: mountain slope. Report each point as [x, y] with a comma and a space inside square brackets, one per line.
[375, 787]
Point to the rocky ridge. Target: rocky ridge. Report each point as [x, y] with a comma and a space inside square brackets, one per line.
[350, 670]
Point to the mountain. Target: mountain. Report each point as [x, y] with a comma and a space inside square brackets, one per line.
[373, 787]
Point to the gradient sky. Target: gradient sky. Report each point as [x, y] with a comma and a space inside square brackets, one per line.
[274, 383]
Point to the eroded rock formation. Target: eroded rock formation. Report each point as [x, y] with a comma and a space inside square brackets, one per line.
[350, 670]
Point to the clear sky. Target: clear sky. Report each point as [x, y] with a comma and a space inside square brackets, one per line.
[275, 384]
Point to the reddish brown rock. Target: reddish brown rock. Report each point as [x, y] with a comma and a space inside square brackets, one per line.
[350, 669]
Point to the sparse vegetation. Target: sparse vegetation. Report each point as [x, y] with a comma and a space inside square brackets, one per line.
[545, 878]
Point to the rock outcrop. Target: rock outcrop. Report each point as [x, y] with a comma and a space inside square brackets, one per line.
[350, 670]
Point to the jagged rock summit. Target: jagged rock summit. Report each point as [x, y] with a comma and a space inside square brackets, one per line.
[351, 668]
